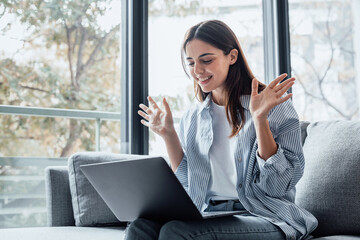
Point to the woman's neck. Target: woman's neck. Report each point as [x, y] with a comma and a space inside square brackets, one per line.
[218, 98]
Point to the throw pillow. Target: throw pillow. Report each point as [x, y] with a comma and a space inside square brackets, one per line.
[89, 208]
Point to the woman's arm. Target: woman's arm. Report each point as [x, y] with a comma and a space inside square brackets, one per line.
[266, 143]
[260, 106]
[174, 149]
[278, 174]
[280, 160]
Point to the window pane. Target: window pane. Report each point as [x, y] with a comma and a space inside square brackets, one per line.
[56, 55]
[325, 37]
[61, 62]
[168, 23]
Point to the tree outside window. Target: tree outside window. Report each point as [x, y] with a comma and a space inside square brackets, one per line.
[325, 46]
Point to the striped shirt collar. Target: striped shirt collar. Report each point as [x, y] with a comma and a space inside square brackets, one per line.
[245, 102]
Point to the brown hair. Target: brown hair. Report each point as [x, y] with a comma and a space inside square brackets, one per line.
[239, 79]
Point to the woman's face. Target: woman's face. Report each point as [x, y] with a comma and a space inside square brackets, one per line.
[208, 66]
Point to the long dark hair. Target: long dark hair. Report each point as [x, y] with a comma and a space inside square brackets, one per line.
[238, 81]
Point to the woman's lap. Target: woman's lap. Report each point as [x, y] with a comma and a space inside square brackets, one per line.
[238, 227]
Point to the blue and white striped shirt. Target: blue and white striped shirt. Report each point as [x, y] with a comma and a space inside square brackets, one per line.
[265, 188]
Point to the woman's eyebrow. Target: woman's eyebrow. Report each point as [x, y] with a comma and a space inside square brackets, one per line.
[202, 55]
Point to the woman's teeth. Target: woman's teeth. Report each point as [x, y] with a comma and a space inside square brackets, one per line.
[204, 79]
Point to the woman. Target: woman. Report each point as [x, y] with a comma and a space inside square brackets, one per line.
[238, 148]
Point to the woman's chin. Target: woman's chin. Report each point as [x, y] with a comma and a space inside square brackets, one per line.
[205, 89]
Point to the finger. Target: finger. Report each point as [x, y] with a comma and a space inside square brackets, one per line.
[145, 123]
[152, 102]
[254, 87]
[166, 105]
[284, 89]
[145, 108]
[284, 99]
[283, 84]
[157, 113]
[144, 115]
[277, 80]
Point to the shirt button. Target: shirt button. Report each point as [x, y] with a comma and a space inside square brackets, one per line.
[240, 185]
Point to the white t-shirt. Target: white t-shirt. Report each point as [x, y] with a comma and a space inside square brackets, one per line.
[223, 170]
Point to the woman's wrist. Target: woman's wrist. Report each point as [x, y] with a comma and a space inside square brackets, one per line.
[170, 134]
[259, 121]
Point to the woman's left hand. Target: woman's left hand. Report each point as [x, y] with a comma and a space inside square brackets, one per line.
[262, 103]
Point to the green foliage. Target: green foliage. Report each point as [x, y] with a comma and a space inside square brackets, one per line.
[81, 55]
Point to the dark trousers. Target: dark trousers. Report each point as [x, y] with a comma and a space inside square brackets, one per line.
[238, 227]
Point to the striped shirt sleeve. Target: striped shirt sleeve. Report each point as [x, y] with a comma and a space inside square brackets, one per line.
[280, 173]
[182, 170]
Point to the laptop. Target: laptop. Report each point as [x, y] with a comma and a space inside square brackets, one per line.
[144, 188]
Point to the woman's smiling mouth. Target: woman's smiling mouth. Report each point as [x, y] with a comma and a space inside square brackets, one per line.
[204, 80]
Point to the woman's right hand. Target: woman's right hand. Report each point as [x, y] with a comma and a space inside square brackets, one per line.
[159, 121]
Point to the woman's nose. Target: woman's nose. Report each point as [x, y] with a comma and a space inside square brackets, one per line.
[198, 69]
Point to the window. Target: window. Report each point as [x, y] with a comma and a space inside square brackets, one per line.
[59, 93]
[168, 22]
[325, 37]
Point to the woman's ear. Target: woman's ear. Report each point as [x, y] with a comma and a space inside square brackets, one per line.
[233, 56]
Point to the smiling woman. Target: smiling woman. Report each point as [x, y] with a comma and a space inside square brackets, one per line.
[238, 147]
[228, 73]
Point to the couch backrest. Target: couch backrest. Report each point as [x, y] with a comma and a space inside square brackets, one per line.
[329, 188]
[58, 197]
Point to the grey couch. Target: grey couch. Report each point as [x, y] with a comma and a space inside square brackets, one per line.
[330, 189]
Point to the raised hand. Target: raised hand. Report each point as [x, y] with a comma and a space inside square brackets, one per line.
[262, 103]
[159, 121]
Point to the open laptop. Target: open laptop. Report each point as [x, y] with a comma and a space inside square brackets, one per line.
[146, 188]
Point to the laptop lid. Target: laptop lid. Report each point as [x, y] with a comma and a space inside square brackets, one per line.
[145, 188]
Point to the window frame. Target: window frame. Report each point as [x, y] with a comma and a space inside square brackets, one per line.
[276, 43]
[135, 69]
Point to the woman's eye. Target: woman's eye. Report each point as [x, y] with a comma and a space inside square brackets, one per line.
[207, 61]
[203, 61]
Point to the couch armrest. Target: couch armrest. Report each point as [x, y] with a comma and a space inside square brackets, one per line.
[58, 197]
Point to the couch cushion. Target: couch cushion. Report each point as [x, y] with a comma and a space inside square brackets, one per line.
[89, 208]
[61, 233]
[338, 237]
[330, 186]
